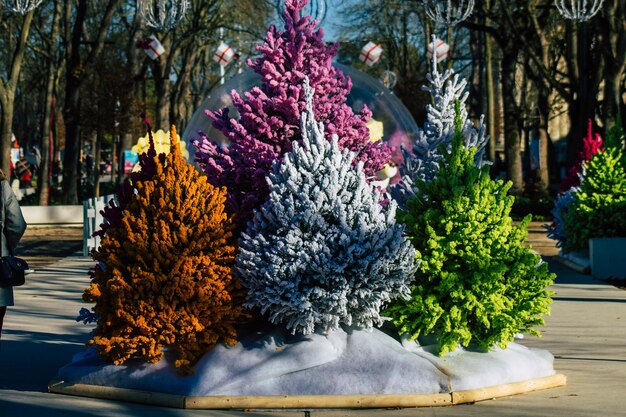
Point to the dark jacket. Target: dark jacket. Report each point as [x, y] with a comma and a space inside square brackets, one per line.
[12, 221]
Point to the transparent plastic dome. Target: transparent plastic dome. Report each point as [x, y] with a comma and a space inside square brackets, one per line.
[217, 99]
[399, 127]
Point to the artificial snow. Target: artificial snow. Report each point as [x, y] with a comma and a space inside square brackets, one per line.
[351, 361]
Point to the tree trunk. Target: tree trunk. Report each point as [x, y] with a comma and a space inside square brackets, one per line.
[161, 72]
[71, 115]
[491, 98]
[499, 104]
[138, 71]
[75, 70]
[612, 95]
[543, 107]
[613, 28]
[7, 130]
[46, 148]
[477, 89]
[96, 162]
[544, 138]
[71, 108]
[162, 91]
[181, 89]
[582, 108]
[512, 138]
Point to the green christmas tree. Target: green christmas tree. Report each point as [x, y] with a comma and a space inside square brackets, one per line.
[599, 205]
[477, 282]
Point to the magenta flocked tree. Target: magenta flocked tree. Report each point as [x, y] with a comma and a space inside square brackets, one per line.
[592, 144]
[269, 115]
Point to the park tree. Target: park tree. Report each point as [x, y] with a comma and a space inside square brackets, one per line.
[86, 27]
[16, 29]
[52, 59]
[563, 56]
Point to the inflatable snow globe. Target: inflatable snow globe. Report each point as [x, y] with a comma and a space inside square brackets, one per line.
[390, 121]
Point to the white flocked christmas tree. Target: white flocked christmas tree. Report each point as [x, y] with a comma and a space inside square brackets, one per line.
[422, 162]
[322, 251]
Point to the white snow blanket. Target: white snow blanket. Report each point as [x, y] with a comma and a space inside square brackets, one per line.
[340, 362]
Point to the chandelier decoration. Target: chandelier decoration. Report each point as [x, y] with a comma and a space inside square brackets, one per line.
[21, 6]
[578, 10]
[448, 12]
[316, 9]
[162, 14]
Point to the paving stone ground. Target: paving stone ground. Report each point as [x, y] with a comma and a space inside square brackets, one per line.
[44, 245]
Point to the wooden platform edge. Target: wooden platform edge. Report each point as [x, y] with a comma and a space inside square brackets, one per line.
[305, 401]
[118, 394]
[505, 390]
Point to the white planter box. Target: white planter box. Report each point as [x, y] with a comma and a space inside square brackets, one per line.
[608, 257]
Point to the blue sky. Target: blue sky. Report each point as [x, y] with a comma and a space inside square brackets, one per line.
[332, 18]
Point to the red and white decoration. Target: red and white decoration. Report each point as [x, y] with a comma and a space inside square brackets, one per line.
[440, 48]
[224, 54]
[152, 47]
[370, 54]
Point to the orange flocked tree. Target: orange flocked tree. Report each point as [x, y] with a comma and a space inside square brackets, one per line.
[164, 275]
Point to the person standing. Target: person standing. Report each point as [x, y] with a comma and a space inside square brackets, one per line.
[12, 226]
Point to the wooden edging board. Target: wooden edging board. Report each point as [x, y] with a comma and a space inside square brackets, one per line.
[306, 401]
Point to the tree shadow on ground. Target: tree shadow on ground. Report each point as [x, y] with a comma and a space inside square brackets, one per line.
[32, 361]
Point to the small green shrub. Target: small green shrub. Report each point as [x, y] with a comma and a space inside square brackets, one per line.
[599, 207]
[477, 282]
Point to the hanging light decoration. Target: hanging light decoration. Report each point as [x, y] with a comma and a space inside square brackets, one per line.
[316, 9]
[21, 6]
[578, 10]
[162, 14]
[389, 79]
[448, 12]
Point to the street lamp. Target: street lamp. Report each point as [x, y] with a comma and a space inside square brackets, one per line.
[448, 12]
[579, 10]
[162, 14]
[21, 6]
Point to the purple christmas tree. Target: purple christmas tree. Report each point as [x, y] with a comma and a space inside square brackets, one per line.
[270, 114]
